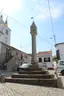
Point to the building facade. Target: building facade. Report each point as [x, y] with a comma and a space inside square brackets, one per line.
[5, 31]
[45, 57]
[60, 50]
[11, 58]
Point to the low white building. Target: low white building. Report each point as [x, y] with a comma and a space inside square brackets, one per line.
[60, 50]
[45, 57]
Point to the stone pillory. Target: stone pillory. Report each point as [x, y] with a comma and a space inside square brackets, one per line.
[33, 31]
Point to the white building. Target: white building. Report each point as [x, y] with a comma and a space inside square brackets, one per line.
[60, 50]
[45, 57]
[5, 31]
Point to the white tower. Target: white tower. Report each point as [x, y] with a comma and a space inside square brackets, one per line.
[33, 31]
[5, 31]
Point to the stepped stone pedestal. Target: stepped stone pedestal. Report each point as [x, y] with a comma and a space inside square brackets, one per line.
[34, 77]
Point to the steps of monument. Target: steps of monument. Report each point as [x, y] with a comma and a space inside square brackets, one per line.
[33, 72]
[30, 69]
[33, 76]
[33, 81]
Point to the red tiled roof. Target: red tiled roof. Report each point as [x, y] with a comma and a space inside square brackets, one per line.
[45, 52]
[42, 52]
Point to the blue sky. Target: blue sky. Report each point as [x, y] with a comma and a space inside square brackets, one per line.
[22, 11]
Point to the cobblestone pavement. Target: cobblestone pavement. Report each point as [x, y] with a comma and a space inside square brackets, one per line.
[12, 89]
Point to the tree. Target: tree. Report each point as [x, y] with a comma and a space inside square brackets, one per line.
[55, 59]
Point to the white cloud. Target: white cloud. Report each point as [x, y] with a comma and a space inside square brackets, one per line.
[56, 10]
[10, 6]
[44, 14]
[33, 0]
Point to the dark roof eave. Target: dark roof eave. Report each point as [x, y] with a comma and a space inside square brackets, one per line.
[59, 43]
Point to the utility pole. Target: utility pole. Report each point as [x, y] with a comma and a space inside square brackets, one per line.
[51, 21]
[55, 39]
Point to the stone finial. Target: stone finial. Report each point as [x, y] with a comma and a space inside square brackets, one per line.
[6, 22]
[33, 28]
[33, 24]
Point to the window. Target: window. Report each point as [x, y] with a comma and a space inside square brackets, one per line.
[6, 38]
[40, 59]
[47, 59]
[5, 41]
[58, 54]
[6, 31]
[61, 62]
[16, 53]
[25, 56]
[21, 56]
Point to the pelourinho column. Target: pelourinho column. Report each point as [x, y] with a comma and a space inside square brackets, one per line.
[33, 31]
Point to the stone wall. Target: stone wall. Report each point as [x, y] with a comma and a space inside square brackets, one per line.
[7, 51]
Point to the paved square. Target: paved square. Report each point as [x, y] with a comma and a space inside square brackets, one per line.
[12, 89]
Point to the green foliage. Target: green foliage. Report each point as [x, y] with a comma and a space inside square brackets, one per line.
[55, 59]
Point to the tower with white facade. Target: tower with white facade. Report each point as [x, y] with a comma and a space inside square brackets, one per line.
[5, 31]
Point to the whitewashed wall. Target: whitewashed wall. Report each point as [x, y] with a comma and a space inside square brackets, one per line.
[5, 38]
[49, 64]
[60, 47]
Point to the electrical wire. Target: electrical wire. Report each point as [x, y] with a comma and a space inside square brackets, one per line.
[15, 20]
[41, 38]
[51, 21]
[27, 45]
[26, 28]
